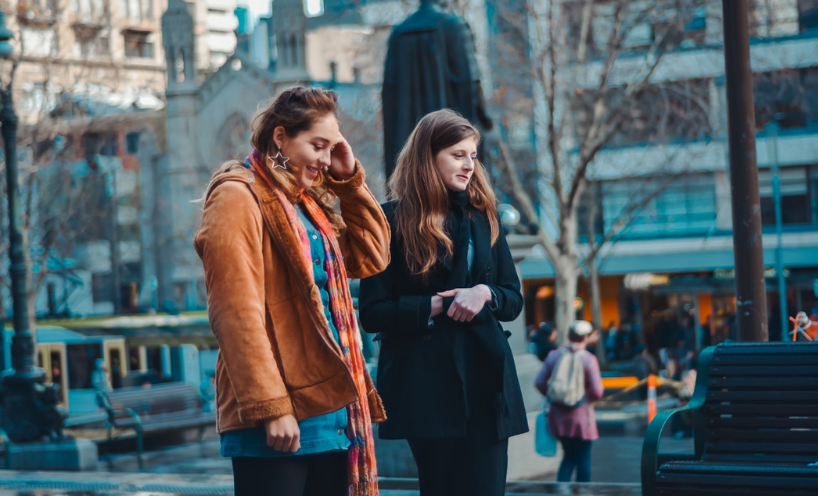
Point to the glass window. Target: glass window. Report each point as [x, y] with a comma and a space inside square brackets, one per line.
[687, 206]
[807, 14]
[81, 362]
[795, 202]
[138, 44]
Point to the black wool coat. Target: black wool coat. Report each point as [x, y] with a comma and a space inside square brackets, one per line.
[421, 374]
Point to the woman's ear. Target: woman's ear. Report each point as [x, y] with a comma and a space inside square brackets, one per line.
[279, 134]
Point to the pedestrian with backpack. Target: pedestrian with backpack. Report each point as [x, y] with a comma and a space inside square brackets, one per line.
[571, 381]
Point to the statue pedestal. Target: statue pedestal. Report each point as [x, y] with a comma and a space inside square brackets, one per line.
[70, 454]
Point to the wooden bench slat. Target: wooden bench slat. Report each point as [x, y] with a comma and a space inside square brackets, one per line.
[761, 448]
[775, 383]
[767, 348]
[783, 469]
[765, 396]
[778, 435]
[763, 371]
[728, 491]
[771, 423]
[770, 481]
[782, 410]
[752, 458]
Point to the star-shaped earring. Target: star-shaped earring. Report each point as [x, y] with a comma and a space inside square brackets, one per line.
[274, 161]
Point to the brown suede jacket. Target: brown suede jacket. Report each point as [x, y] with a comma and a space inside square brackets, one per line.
[276, 351]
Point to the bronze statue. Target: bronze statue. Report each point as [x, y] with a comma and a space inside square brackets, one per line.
[430, 65]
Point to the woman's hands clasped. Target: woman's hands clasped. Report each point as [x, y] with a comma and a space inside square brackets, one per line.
[283, 434]
[467, 303]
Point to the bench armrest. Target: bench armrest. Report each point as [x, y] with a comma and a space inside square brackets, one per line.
[653, 434]
[650, 447]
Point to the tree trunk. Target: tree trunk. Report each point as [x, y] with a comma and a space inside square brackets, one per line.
[596, 308]
[565, 291]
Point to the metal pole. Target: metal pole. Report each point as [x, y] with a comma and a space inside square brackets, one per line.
[21, 413]
[22, 348]
[751, 297]
[772, 132]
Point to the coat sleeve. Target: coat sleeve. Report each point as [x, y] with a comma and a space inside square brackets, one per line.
[506, 284]
[229, 243]
[382, 310]
[365, 242]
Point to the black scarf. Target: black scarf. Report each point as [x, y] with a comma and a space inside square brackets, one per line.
[459, 229]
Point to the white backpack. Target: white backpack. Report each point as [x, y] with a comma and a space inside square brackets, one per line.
[567, 384]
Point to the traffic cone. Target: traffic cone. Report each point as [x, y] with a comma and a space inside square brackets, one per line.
[651, 397]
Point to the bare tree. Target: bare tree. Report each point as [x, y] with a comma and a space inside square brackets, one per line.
[59, 209]
[593, 63]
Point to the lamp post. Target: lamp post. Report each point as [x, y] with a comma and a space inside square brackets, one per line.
[772, 132]
[27, 405]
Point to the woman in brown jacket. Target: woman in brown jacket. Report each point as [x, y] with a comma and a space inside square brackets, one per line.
[295, 402]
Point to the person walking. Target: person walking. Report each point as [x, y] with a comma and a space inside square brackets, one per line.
[573, 424]
[294, 400]
[446, 371]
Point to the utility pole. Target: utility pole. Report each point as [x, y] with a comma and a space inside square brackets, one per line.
[751, 295]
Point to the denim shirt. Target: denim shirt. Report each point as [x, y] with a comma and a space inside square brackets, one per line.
[318, 434]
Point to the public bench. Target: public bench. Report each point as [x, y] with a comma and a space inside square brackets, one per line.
[755, 422]
[160, 407]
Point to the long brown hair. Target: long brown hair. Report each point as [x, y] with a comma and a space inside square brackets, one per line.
[422, 197]
[295, 109]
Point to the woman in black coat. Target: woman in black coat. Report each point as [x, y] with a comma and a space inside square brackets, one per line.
[446, 372]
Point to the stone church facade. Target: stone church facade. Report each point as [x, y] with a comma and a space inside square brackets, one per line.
[208, 124]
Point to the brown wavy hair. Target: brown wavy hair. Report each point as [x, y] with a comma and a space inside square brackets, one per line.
[422, 197]
[295, 109]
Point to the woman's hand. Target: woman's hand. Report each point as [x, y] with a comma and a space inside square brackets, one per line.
[437, 306]
[342, 160]
[283, 434]
[467, 302]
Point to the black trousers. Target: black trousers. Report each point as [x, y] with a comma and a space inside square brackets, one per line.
[323, 474]
[474, 465]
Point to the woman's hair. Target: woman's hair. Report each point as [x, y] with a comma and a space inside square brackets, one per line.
[295, 109]
[422, 197]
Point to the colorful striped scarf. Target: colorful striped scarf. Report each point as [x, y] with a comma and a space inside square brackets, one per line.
[361, 467]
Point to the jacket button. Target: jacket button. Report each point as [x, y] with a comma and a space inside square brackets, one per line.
[317, 262]
[340, 431]
[314, 236]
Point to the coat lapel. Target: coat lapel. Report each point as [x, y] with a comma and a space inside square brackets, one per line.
[282, 235]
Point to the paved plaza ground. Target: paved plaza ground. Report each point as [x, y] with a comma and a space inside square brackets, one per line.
[197, 469]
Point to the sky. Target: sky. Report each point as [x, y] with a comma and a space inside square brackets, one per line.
[259, 8]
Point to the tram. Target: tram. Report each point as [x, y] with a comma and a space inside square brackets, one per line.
[131, 351]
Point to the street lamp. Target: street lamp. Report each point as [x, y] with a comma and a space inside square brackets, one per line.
[29, 409]
[772, 132]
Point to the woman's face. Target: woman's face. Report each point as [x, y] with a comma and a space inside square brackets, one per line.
[455, 164]
[309, 151]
